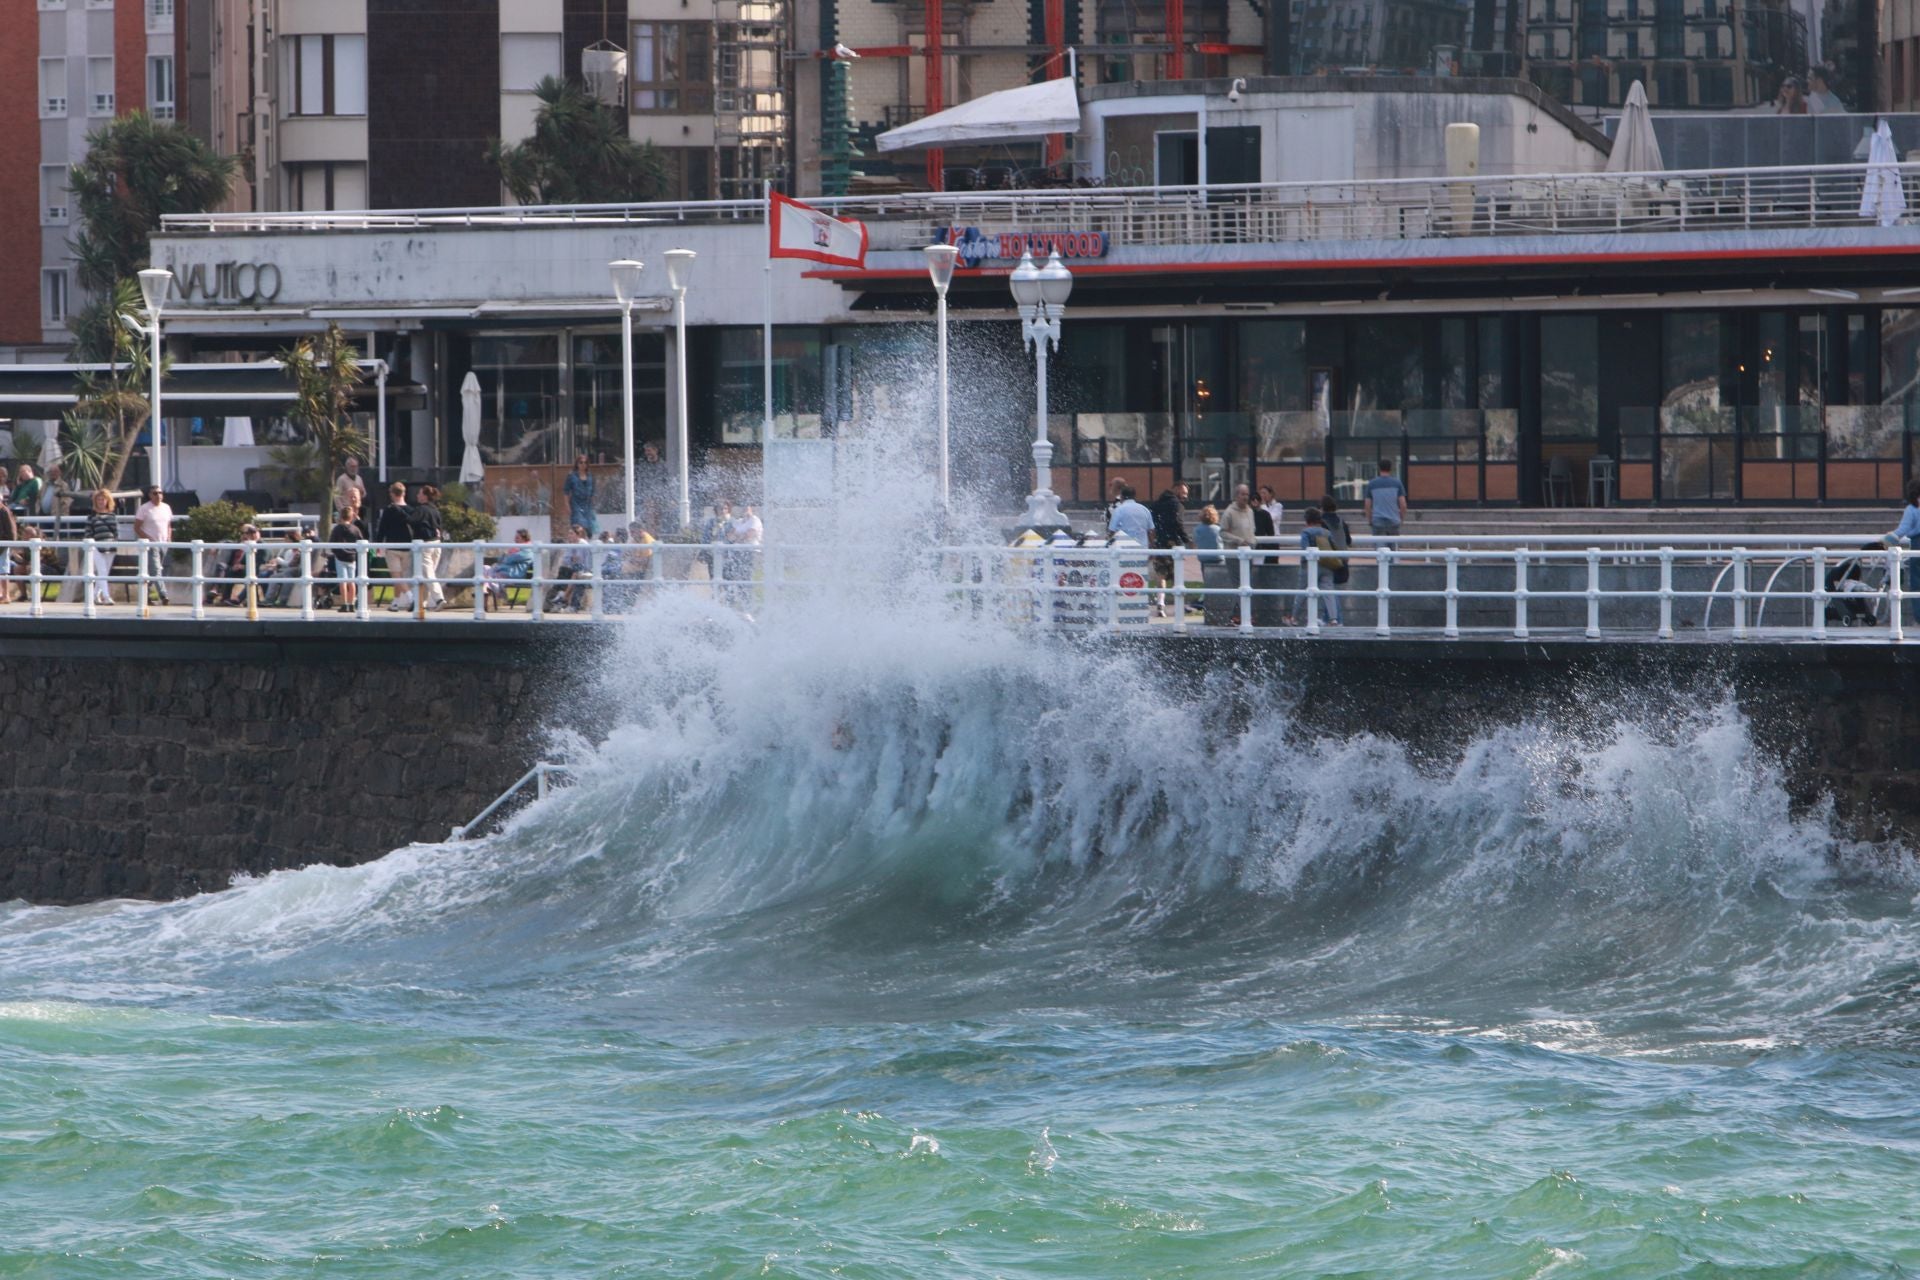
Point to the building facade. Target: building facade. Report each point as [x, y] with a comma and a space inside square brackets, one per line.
[67, 67]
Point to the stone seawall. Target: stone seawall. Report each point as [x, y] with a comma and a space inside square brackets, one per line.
[159, 759]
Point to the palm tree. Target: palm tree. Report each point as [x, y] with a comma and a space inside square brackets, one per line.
[136, 169]
[579, 153]
[115, 400]
[325, 371]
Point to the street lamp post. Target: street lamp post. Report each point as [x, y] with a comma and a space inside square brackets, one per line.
[626, 279]
[940, 260]
[679, 275]
[1041, 295]
[154, 282]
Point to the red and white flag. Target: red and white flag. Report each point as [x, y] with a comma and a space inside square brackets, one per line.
[802, 231]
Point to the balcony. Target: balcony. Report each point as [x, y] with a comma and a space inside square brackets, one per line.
[1309, 217]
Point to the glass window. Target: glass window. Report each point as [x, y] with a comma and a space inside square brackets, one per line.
[527, 59]
[99, 86]
[349, 75]
[599, 426]
[53, 194]
[55, 295]
[672, 67]
[325, 75]
[160, 88]
[520, 411]
[1569, 377]
[53, 87]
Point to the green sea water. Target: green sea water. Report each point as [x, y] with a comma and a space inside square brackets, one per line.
[964, 957]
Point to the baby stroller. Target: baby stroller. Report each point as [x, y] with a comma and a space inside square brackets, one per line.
[1857, 589]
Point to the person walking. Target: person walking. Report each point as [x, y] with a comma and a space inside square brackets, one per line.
[395, 526]
[153, 525]
[349, 489]
[429, 530]
[1169, 531]
[1386, 502]
[1130, 517]
[1313, 536]
[745, 530]
[579, 489]
[102, 531]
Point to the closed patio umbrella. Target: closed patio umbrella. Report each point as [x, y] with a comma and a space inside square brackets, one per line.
[50, 447]
[472, 470]
[1635, 149]
[1883, 198]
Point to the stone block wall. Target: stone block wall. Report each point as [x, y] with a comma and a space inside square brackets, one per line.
[157, 763]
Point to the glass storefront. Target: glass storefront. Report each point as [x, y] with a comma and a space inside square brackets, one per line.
[1555, 408]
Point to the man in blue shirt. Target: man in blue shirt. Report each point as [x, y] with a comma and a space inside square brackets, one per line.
[1386, 502]
[1131, 518]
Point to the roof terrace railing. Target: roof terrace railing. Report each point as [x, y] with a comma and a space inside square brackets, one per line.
[1813, 196]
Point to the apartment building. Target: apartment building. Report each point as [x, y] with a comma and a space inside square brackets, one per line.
[80, 63]
[342, 104]
[1688, 53]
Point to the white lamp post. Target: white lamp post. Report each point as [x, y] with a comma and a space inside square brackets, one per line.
[679, 275]
[626, 279]
[940, 260]
[1041, 294]
[154, 282]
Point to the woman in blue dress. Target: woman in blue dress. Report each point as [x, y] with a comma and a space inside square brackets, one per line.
[579, 491]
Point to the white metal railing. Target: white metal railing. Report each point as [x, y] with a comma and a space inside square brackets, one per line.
[1635, 586]
[537, 777]
[1274, 212]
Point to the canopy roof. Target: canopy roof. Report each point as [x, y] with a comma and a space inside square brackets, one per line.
[1031, 111]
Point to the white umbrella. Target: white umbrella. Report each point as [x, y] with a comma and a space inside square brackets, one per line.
[49, 447]
[472, 470]
[1882, 198]
[1029, 111]
[238, 433]
[1635, 149]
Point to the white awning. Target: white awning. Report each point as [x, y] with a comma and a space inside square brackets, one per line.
[1031, 111]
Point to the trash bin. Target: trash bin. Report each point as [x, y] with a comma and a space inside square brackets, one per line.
[1268, 610]
[1223, 594]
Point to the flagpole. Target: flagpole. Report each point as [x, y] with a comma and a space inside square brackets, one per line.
[766, 323]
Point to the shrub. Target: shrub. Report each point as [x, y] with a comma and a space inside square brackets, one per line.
[463, 523]
[215, 522]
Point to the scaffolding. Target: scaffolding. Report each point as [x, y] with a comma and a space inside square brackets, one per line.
[752, 109]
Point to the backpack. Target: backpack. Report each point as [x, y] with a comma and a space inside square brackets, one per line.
[1331, 564]
[1337, 530]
